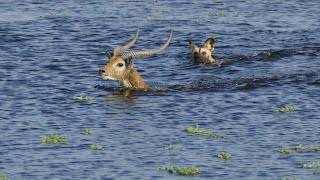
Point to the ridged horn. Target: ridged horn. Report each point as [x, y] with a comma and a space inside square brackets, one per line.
[149, 52]
[118, 50]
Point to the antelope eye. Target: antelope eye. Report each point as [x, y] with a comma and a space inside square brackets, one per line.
[120, 64]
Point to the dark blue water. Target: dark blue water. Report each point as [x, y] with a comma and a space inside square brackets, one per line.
[52, 51]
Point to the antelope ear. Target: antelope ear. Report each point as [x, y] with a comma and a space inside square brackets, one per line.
[129, 62]
[109, 54]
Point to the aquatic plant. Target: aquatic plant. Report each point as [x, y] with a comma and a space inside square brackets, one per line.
[294, 178]
[316, 172]
[223, 13]
[172, 147]
[56, 9]
[235, 14]
[311, 165]
[96, 147]
[199, 22]
[224, 156]
[4, 178]
[151, 18]
[284, 151]
[188, 171]
[213, 13]
[286, 109]
[299, 148]
[309, 148]
[53, 139]
[87, 132]
[81, 98]
[198, 131]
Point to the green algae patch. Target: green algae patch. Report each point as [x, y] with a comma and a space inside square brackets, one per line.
[87, 132]
[188, 171]
[202, 132]
[224, 156]
[286, 109]
[96, 147]
[53, 139]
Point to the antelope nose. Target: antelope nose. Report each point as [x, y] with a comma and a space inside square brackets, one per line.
[101, 71]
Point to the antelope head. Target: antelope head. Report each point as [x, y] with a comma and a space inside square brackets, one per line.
[203, 55]
[120, 68]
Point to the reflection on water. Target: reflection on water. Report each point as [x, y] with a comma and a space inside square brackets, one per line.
[128, 96]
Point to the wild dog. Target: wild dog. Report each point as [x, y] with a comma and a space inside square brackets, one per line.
[120, 68]
[203, 55]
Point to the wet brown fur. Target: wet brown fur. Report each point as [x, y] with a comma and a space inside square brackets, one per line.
[120, 68]
[203, 55]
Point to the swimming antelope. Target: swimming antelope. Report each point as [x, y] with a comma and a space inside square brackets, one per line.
[120, 68]
[203, 55]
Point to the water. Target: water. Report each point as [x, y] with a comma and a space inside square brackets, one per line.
[51, 52]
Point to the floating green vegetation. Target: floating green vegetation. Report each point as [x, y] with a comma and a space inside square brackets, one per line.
[285, 178]
[223, 13]
[96, 147]
[311, 165]
[188, 171]
[213, 13]
[56, 9]
[199, 22]
[284, 151]
[309, 148]
[286, 109]
[172, 147]
[53, 139]
[196, 130]
[224, 156]
[81, 98]
[4, 178]
[66, 14]
[87, 132]
[235, 14]
[317, 172]
[151, 19]
[299, 148]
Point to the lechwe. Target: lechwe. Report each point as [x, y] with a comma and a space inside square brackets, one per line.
[203, 55]
[120, 68]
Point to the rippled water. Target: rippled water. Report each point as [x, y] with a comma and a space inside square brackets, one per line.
[51, 52]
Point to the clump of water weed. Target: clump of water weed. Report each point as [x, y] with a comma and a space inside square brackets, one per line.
[284, 151]
[188, 171]
[4, 178]
[151, 19]
[224, 156]
[87, 132]
[96, 147]
[53, 139]
[56, 9]
[317, 172]
[81, 98]
[199, 22]
[309, 148]
[198, 131]
[311, 165]
[286, 109]
[172, 147]
[294, 178]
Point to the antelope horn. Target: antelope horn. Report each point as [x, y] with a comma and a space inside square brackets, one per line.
[118, 50]
[148, 53]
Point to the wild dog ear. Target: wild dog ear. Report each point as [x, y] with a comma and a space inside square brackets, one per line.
[129, 62]
[209, 43]
[109, 55]
[192, 45]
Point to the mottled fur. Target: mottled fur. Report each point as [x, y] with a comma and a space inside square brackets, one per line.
[203, 55]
